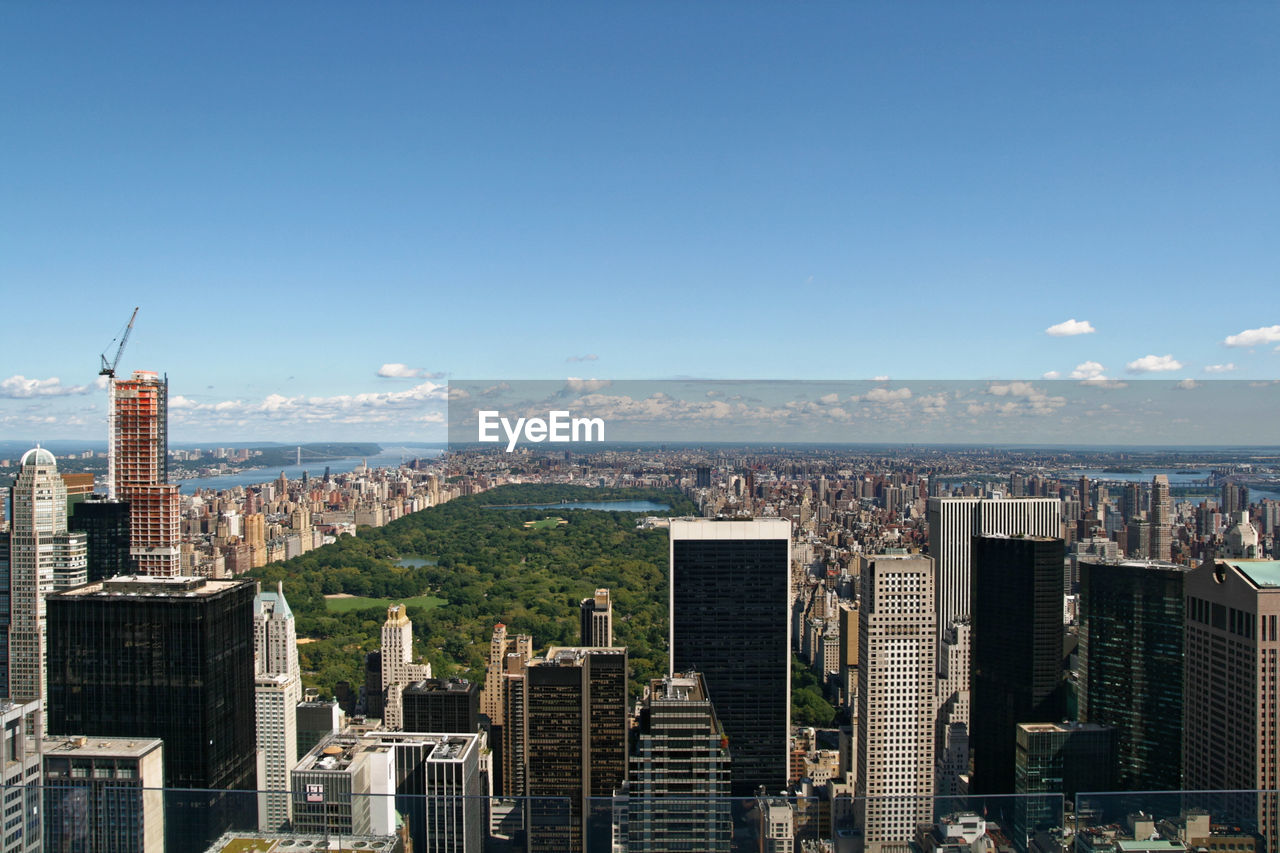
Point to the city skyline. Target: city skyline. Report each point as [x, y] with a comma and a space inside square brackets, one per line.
[1082, 192]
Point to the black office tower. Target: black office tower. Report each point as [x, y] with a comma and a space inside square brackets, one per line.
[105, 524]
[730, 621]
[168, 658]
[1131, 658]
[439, 705]
[1016, 651]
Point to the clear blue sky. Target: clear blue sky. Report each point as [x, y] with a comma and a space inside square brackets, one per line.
[298, 194]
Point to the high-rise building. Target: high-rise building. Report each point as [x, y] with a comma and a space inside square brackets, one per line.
[277, 692]
[1161, 547]
[21, 779]
[596, 617]
[731, 621]
[105, 524]
[1131, 658]
[441, 705]
[140, 471]
[953, 524]
[492, 701]
[1057, 759]
[168, 658]
[43, 557]
[1016, 657]
[317, 719]
[104, 794]
[576, 746]
[1229, 707]
[439, 788]
[345, 785]
[679, 785]
[398, 668]
[896, 710]
[4, 614]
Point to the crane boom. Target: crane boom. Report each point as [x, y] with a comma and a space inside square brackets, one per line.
[109, 367]
[109, 370]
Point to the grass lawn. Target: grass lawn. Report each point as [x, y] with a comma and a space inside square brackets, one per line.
[544, 523]
[346, 605]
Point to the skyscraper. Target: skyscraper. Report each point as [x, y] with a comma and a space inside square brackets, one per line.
[140, 469]
[398, 668]
[1131, 658]
[105, 524]
[596, 617]
[1229, 708]
[43, 556]
[679, 785]
[1016, 656]
[731, 621]
[441, 705]
[895, 743]
[104, 794]
[168, 658]
[576, 748]
[277, 692]
[953, 523]
[1161, 547]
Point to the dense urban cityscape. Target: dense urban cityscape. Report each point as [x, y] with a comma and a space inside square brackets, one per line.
[859, 648]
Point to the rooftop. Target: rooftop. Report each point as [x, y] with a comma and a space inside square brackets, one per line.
[148, 585]
[1261, 572]
[105, 747]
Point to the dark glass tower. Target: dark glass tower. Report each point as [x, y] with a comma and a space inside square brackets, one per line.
[442, 705]
[170, 658]
[1016, 649]
[106, 525]
[730, 621]
[1131, 657]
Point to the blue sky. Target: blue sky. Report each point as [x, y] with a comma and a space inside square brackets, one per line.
[299, 195]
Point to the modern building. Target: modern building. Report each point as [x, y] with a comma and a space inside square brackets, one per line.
[1161, 532]
[1016, 657]
[398, 668]
[287, 842]
[5, 580]
[103, 795]
[1131, 659]
[896, 690]
[596, 618]
[576, 744]
[441, 705]
[439, 788]
[140, 470]
[1058, 759]
[1230, 723]
[346, 785]
[21, 779]
[953, 523]
[168, 658]
[277, 692]
[678, 793]
[317, 719]
[43, 557]
[730, 619]
[105, 524]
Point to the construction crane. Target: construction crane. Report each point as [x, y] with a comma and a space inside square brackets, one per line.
[109, 370]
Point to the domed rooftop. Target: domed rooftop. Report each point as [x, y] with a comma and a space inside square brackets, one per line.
[38, 456]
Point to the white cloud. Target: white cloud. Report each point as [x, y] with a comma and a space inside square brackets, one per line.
[1089, 370]
[1187, 384]
[879, 378]
[1253, 337]
[829, 399]
[1052, 374]
[588, 357]
[396, 370]
[20, 387]
[1153, 364]
[1070, 327]
[1220, 368]
[884, 395]
[573, 383]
